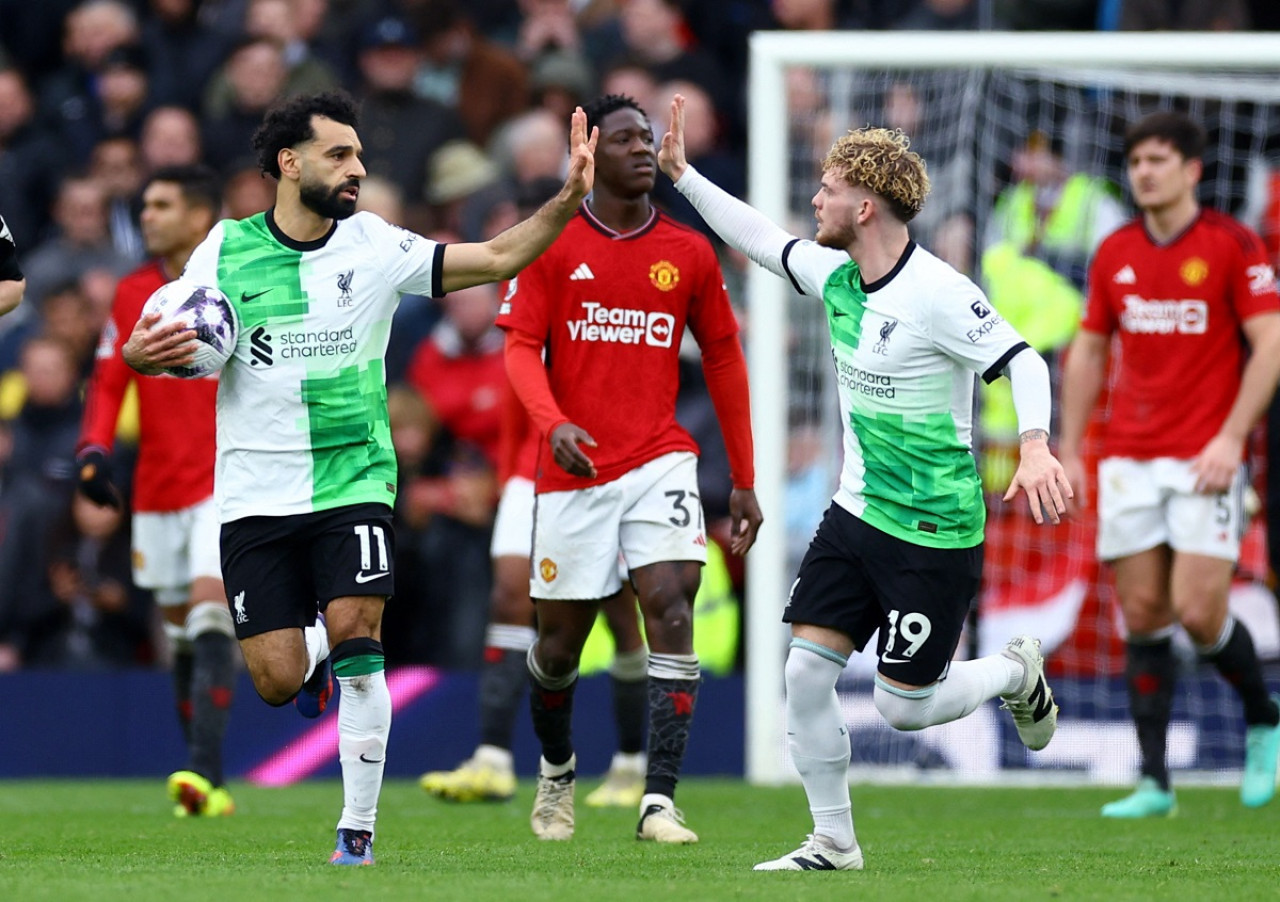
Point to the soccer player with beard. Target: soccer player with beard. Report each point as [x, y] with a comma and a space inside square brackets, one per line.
[606, 306]
[305, 475]
[1191, 298]
[899, 551]
[175, 520]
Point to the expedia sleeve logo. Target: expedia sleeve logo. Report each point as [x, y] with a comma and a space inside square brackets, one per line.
[620, 325]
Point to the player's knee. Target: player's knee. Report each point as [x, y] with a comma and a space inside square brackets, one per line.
[1203, 624]
[904, 709]
[554, 656]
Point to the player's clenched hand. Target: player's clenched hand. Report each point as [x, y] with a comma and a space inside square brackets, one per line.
[151, 348]
[582, 156]
[744, 510]
[1216, 465]
[565, 441]
[1041, 476]
[671, 158]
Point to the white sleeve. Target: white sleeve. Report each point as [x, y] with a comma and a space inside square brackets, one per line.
[202, 266]
[411, 263]
[804, 263]
[964, 325]
[1032, 395]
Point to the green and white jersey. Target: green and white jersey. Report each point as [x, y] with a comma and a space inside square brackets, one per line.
[906, 350]
[302, 403]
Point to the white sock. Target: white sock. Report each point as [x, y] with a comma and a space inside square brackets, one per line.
[968, 685]
[364, 722]
[316, 637]
[819, 739]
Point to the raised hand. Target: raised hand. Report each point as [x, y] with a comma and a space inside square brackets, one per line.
[671, 159]
[582, 155]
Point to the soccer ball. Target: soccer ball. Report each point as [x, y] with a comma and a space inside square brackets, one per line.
[208, 312]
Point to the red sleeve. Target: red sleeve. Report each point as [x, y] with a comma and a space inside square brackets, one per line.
[1253, 285]
[528, 377]
[725, 369]
[512, 435]
[711, 316]
[111, 375]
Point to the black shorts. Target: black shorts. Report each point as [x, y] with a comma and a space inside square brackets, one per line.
[279, 571]
[856, 579]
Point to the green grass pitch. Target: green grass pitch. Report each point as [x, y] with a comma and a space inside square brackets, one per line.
[117, 840]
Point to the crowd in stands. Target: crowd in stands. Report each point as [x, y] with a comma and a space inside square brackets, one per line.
[464, 110]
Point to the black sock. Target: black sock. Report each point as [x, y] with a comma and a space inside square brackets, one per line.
[1237, 661]
[1152, 672]
[212, 676]
[183, 661]
[502, 680]
[631, 713]
[671, 704]
[552, 712]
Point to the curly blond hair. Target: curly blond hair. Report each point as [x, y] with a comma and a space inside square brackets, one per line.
[880, 160]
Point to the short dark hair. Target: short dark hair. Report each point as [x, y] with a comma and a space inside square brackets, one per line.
[602, 106]
[288, 124]
[1184, 133]
[198, 184]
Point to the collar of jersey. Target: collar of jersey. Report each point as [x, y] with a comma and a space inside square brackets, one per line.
[292, 243]
[599, 226]
[884, 280]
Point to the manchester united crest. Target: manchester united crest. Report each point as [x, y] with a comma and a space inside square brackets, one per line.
[548, 570]
[664, 275]
[1193, 271]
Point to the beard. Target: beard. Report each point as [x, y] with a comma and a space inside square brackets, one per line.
[832, 237]
[325, 201]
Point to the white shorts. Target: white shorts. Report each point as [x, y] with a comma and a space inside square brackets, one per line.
[172, 549]
[1143, 504]
[651, 514]
[513, 523]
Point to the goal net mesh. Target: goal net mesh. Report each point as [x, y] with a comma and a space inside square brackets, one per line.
[979, 130]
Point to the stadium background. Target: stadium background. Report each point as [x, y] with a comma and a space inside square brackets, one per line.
[115, 722]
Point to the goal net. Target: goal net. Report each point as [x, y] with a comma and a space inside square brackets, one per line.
[986, 110]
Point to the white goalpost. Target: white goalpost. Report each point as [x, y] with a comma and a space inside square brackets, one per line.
[977, 97]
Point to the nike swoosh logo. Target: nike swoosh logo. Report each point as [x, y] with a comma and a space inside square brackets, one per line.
[885, 659]
[838, 313]
[368, 577]
[371, 760]
[245, 297]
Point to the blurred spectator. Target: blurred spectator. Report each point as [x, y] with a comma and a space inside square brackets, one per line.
[256, 74]
[170, 137]
[1184, 15]
[940, 15]
[724, 28]
[550, 44]
[96, 619]
[273, 21]
[809, 15]
[457, 170]
[1036, 250]
[22, 542]
[117, 166]
[74, 96]
[48, 423]
[632, 78]
[704, 149]
[33, 34]
[30, 162]
[480, 79]
[184, 51]
[82, 241]
[401, 130]
[246, 192]
[560, 82]
[654, 32]
[533, 145]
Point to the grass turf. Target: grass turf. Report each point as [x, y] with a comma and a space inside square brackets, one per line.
[117, 840]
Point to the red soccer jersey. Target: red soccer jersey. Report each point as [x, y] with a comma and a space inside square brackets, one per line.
[463, 387]
[177, 427]
[1177, 308]
[611, 309]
